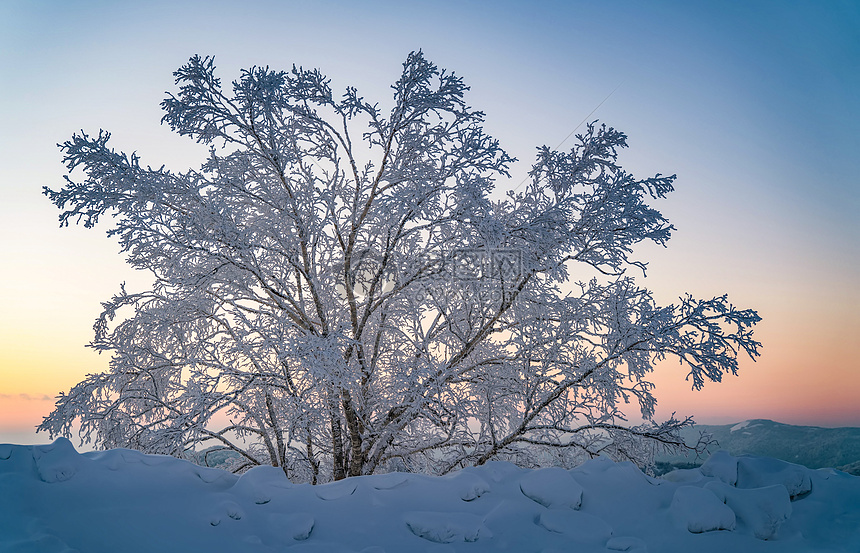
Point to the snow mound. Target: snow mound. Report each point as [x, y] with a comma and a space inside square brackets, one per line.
[446, 527]
[628, 544]
[553, 488]
[206, 474]
[608, 485]
[390, 481]
[55, 500]
[579, 526]
[499, 471]
[763, 510]
[260, 483]
[700, 510]
[337, 490]
[56, 462]
[759, 472]
[232, 510]
[721, 465]
[470, 486]
[684, 476]
[297, 526]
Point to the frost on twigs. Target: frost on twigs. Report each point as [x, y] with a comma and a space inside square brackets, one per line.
[336, 294]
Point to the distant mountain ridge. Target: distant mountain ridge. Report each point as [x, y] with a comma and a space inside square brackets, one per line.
[811, 446]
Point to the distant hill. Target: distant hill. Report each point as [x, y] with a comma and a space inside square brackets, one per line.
[811, 446]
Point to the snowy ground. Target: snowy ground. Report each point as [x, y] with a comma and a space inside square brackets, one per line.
[53, 499]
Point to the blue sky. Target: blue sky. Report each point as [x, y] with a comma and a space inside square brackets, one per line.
[755, 105]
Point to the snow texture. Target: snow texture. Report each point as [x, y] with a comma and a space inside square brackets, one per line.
[55, 500]
[579, 526]
[553, 488]
[723, 466]
[700, 510]
[763, 510]
[684, 475]
[628, 544]
[446, 527]
[295, 525]
[471, 486]
[758, 472]
[337, 490]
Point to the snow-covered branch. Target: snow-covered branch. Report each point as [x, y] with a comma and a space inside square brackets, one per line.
[336, 294]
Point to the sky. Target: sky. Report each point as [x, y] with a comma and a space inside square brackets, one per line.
[755, 106]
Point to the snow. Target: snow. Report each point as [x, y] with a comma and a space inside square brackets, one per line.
[723, 466]
[552, 487]
[758, 472]
[446, 527]
[700, 510]
[54, 499]
[763, 510]
[581, 527]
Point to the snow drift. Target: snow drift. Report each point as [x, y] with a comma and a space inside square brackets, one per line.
[57, 500]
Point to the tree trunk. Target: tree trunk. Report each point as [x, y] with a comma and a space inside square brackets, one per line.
[338, 472]
[356, 455]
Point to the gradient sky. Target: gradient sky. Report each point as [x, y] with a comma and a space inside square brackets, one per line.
[755, 105]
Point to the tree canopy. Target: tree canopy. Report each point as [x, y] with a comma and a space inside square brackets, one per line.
[337, 293]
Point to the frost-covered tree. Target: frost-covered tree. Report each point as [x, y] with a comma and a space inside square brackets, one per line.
[336, 293]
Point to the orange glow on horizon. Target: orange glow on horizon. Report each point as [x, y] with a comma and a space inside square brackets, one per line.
[765, 206]
[23, 412]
